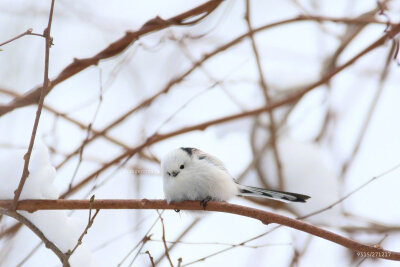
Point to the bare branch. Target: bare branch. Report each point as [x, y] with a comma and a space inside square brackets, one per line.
[370, 112]
[202, 126]
[141, 243]
[89, 224]
[210, 55]
[27, 32]
[184, 232]
[63, 258]
[350, 193]
[163, 239]
[71, 120]
[267, 95]
[27, 156]
[264, 216]
[151, 258]
[89, 129]
[30, 254]
[115, 48]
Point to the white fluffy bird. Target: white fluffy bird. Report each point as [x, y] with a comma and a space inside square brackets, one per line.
[190, 174]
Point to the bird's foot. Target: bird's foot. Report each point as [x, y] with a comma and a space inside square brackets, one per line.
[204, 202]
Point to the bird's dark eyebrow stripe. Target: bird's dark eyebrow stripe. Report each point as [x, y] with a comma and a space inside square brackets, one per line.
[202, 157]
[188, 150]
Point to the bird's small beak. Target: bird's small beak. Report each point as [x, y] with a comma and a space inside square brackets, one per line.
[175, 173]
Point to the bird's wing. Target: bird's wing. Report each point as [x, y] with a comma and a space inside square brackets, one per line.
[209, 158]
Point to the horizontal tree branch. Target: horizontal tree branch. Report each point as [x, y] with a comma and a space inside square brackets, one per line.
[261, 215]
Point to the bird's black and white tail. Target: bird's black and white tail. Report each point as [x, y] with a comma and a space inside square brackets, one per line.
[250, 191]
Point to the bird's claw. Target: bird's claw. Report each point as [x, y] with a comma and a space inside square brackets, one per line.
[204, 202]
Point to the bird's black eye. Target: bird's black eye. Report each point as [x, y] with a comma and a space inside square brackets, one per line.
[182, 167]
[168, 174]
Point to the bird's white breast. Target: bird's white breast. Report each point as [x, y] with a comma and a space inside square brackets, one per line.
[199, 183]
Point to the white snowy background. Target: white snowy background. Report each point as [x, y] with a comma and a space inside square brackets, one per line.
[292, 56]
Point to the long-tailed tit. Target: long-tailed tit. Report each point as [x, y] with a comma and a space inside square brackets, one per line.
[190, 174]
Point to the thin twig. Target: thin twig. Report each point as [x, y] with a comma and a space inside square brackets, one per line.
[26, 258]
[272, 124]
[163, 239]
[27, 156]
[10, 231]
[89, 224]
[119, 236]
[63, 258]
[220, 82]
[89, 129]
[298, 254]
[378, 244]
[220, 243]
[232, 247]
[151, 258]
[81, 125]
[143, 241]
[27, 32]
[370, 113]
[349, 194]
[352, 31]
[183, 234]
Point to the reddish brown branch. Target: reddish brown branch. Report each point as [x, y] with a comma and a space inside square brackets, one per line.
[112, 50]
[263, 216]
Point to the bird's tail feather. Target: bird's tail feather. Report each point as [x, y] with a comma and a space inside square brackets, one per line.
[251, 191]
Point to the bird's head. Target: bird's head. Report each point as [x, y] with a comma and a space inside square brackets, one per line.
[177, 162]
